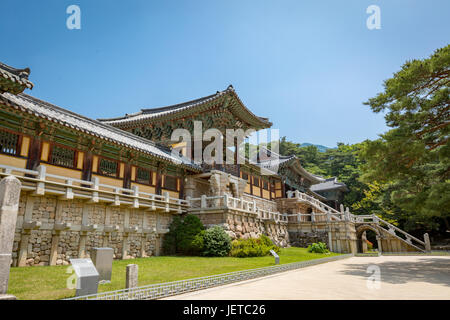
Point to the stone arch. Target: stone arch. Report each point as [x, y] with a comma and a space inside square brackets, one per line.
[359, 232]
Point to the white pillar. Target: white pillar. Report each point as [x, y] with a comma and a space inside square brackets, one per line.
[9, 206]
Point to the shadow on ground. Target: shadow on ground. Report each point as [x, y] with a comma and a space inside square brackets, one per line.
[430, 270]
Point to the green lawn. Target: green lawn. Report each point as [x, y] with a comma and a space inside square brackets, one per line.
[50, 282]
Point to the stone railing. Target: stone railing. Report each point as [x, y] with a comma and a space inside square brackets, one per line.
[261, 202]
[322, 207]
[40, 183]
[314, 217]
[393, 230]
[205, 203]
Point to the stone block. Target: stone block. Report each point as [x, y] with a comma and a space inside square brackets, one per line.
[131, 276]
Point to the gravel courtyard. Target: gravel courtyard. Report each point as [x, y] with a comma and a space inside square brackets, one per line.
[402, 277]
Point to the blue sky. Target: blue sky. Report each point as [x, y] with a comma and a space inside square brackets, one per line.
[307, 65]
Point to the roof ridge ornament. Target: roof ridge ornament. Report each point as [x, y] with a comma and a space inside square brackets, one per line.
[14, 80]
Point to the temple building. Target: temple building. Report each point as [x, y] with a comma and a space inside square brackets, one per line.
[332, 190]
[116, 182]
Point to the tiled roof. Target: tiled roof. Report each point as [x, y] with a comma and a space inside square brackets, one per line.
[64, 117]
[14, 80]
[329, 184]
[146, 114]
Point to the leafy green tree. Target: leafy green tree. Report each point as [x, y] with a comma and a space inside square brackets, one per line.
[412, 159]
[181, 238]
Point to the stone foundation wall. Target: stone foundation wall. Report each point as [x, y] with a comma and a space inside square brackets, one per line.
[38, 246]
[244, 226]
[304, 239]
[292, 206]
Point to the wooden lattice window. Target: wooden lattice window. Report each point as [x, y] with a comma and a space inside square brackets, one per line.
[63, 157]
[108, 167]
[256, 181]
[170, 183]
[144, 176]
[265, 185]
[8, 142]
[245, 176]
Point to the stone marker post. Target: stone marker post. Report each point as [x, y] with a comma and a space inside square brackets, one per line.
[9, 206]
[426, 239]
[132, 276]
[103, 259]
[87, 276]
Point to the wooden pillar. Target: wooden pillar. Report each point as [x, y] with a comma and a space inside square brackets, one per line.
[181, 191]
[87, 166]
[34, 153]
[270, 189]
[159, 173]
[261, 184]
[127, 176]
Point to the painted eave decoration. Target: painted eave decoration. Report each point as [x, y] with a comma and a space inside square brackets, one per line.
[14, 80]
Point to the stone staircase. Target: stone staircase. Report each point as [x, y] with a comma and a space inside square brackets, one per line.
[381, 225]
[391, 230]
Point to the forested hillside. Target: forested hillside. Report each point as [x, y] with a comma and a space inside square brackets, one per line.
[404, 176]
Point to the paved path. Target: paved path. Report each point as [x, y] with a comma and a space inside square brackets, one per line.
[402, 277]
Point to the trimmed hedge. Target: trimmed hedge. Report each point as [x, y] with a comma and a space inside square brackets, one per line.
[252, 247]
[318, 248]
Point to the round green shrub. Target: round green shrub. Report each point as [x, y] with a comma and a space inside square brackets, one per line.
[318, 248]
[216, 243]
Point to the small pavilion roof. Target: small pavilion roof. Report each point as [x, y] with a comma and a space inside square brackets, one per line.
[329, 184]
[14, 80]
[190, 108]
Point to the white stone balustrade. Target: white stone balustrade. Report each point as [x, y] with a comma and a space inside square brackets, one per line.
[39, 182]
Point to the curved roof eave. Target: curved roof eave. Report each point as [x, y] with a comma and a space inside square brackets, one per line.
[169, 111]
[78, 122]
